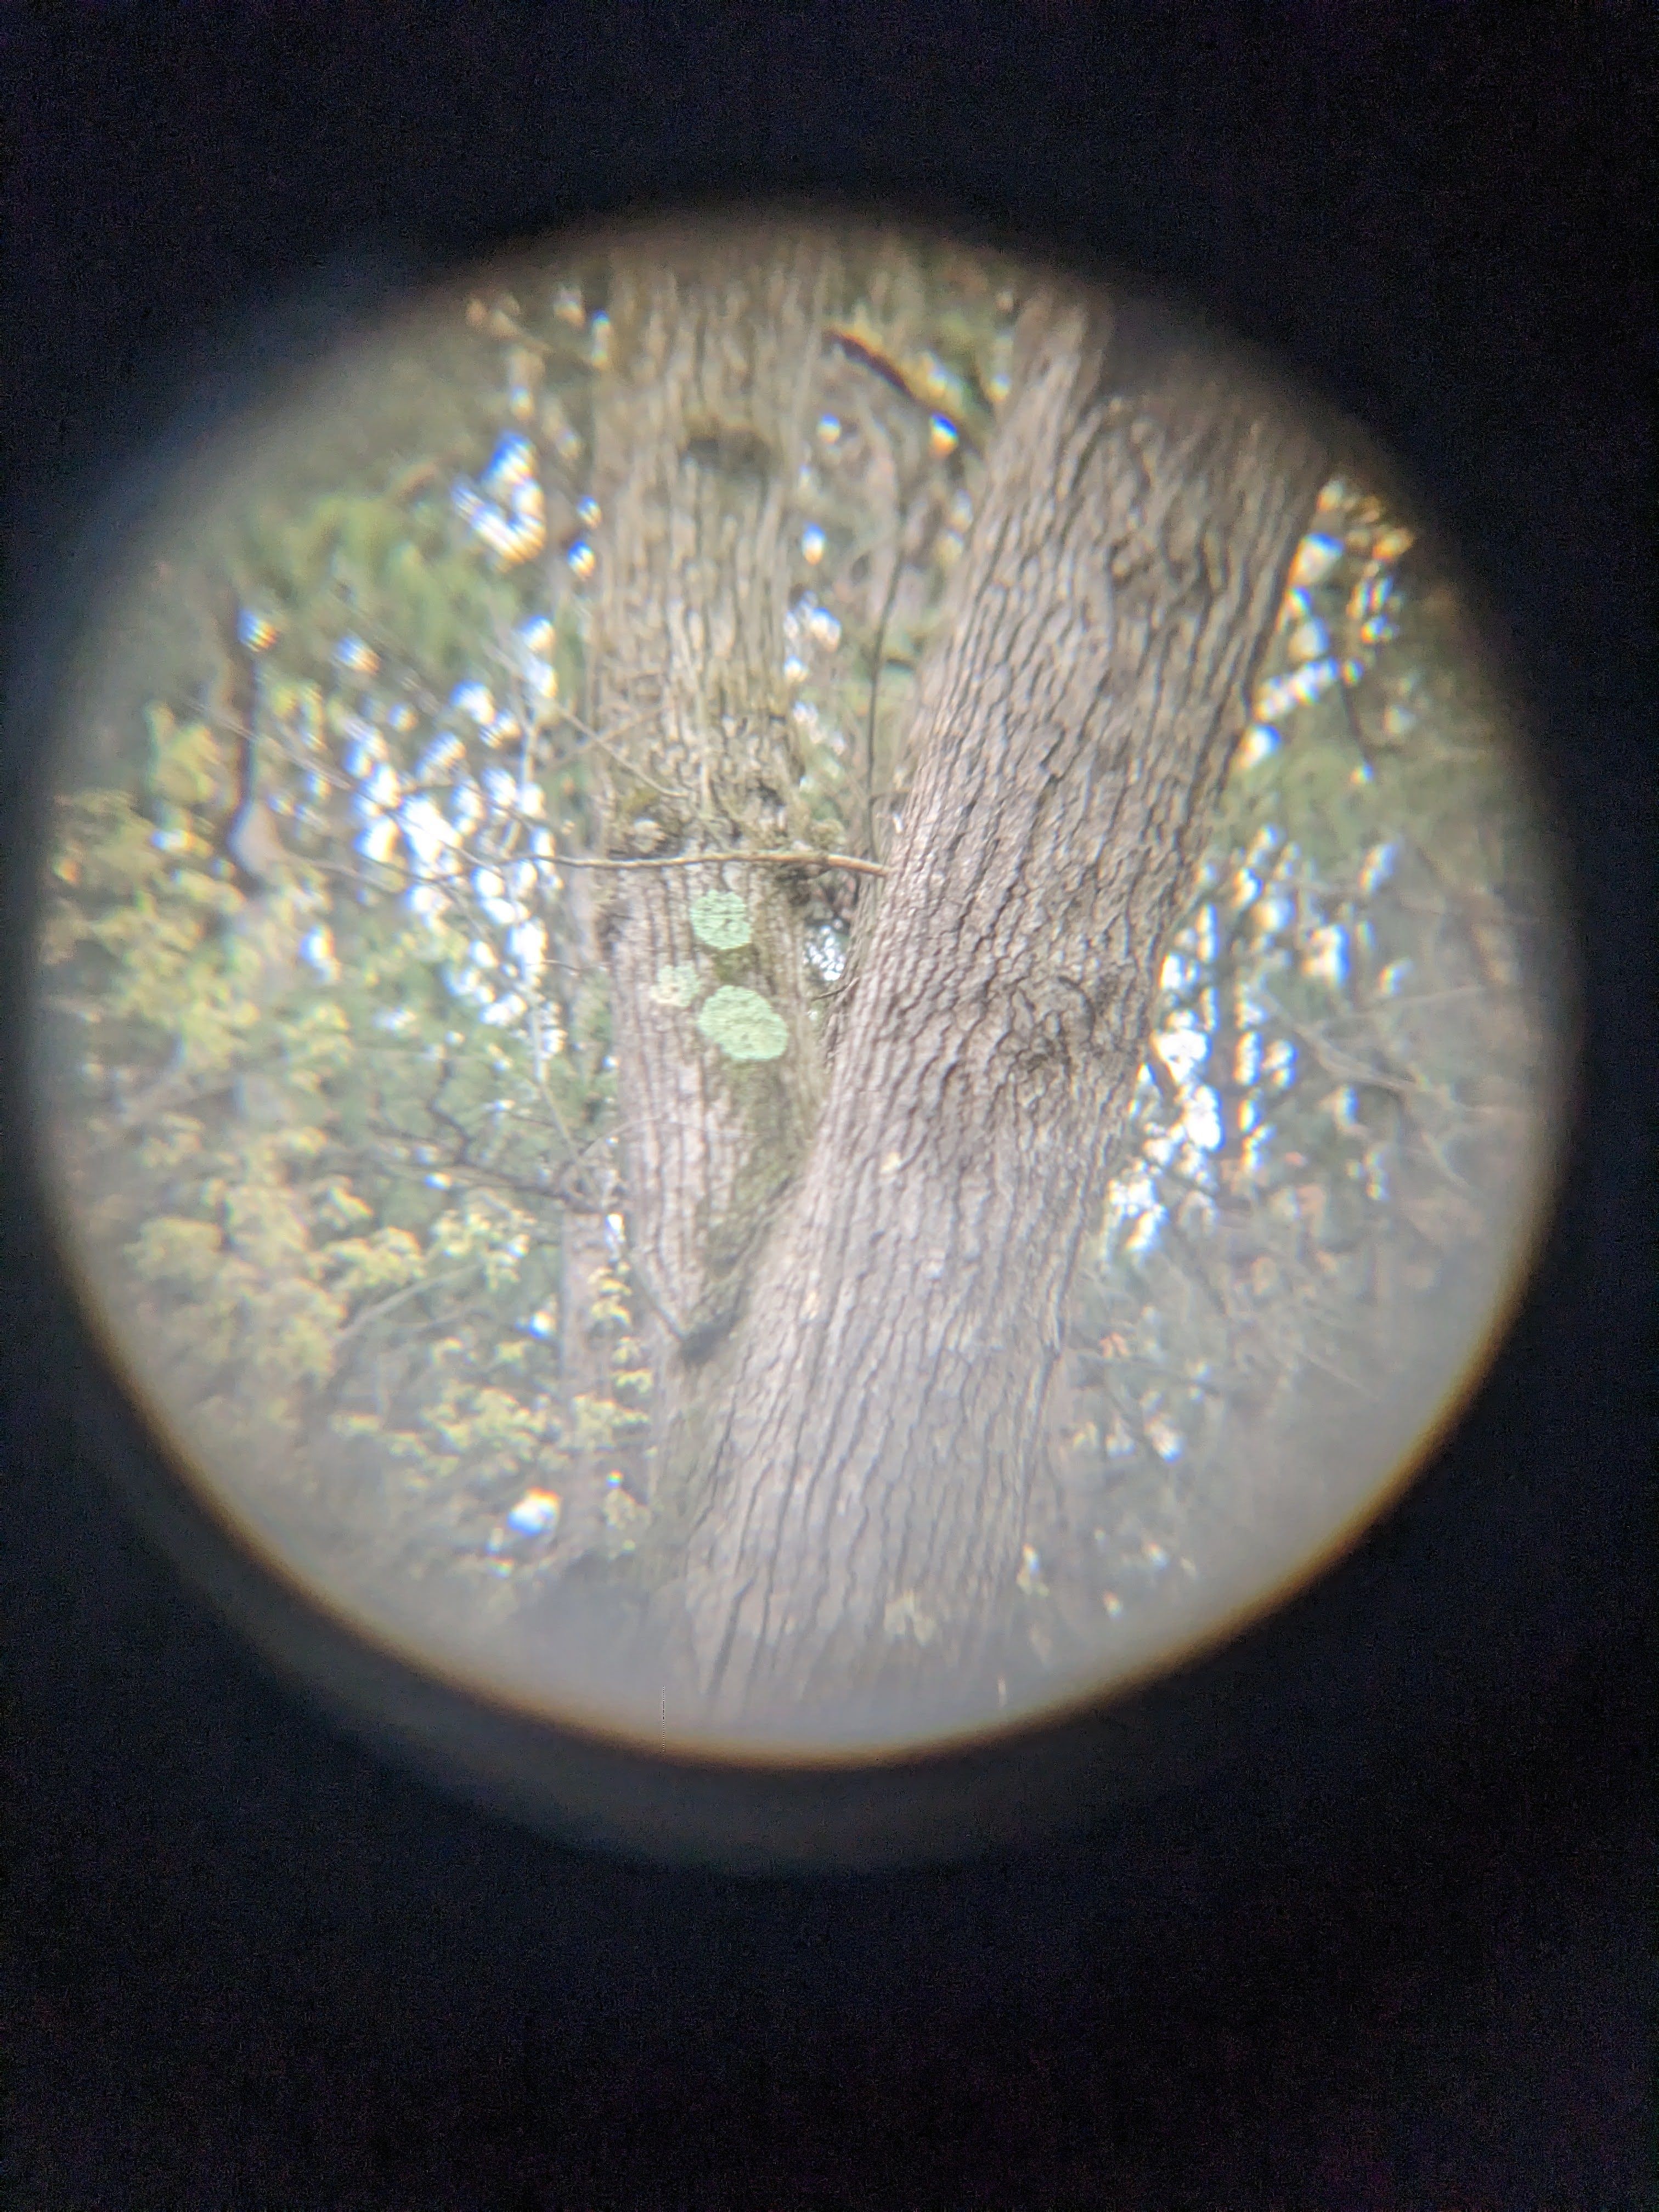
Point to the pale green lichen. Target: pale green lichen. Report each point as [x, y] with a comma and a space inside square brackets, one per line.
[676, 987]
[744, 1025]
[720, 920]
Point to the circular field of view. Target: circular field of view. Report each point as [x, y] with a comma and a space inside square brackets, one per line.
[796, 987]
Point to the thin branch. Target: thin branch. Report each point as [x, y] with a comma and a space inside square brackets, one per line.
[1163, 1074]
[637, 1276]
[1305, 1351]
[460, 1161]
[469, 862]
[877, 657]
[1194, 1270]
[471, 1171]
[318, 764]
[175, 1087]
[1338, 1063]
[1193, 1382]
[700, 860]
[591, 737]
[1407, 1002]
[381, 1307]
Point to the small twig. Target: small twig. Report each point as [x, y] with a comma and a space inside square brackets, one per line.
[877, 658]
[474, 1171]
[1161, 1073]
[1195, 1269]
[381, 1307]
[1155, 1367]
[439, 1113]
[1407, 1002]
[1434, 1148]
[871, 357]
[592, 737]
[1337, 1062]
[297, 757]
[636, 1275]
[1351, 715]
[1361, 1389]
[572, 1149]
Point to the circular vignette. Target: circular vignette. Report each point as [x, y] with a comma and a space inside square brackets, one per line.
[744, 1809]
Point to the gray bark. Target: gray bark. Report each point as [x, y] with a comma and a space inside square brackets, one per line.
[717, 351]
[860, 1456]
[870, 1482]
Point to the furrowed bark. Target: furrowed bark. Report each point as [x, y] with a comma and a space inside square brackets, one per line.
[717, 346]
[866, 1481]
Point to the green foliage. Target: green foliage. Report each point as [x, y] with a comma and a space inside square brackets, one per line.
[1353, 1064]
[323, 1198]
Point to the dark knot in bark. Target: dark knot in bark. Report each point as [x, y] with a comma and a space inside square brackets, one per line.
[1054, 1020]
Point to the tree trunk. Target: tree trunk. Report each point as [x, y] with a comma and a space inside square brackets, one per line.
[717, 352]
[862, 1453]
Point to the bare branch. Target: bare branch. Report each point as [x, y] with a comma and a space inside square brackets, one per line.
[700, 860]
[381, 1307]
